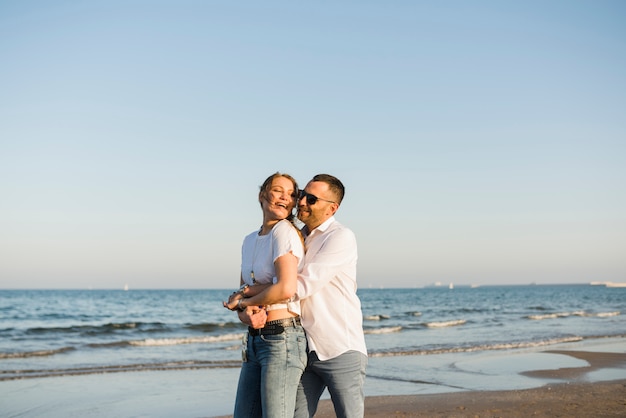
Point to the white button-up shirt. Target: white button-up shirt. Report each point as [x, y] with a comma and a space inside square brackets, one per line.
[331, 310]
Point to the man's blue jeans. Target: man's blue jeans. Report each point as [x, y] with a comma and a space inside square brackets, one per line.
[344, 377]
[269, 378]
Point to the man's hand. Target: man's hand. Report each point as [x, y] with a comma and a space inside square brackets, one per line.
[253, 316]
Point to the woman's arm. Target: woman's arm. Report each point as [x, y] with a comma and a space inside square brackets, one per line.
[286, 267]
[285, 287]
[244, 292]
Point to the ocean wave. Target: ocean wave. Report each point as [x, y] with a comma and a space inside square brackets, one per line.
[39, 353]
[575, 313]
[376, 317]
[136, 326]
[173, 365]
[101, 329]
[606, 314]
[155, 342]
[474, 348]
[554, 315]
[444, 324]
[474, 310]
[385, 330]
[149, 342]
[213, 326]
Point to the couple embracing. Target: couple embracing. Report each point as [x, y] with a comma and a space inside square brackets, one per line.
[298, 298]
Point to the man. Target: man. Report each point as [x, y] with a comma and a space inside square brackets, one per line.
[331, 310]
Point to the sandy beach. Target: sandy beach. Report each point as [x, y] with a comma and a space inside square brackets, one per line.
[576, 396]
[599, 399]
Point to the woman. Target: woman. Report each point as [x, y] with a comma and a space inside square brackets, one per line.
[274, 356]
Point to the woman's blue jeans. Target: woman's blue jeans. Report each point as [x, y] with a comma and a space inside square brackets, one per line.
[270, 374]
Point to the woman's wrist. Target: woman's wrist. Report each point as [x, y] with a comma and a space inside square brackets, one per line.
[243, 288]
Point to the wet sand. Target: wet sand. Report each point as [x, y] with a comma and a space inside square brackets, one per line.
[574, 397]
[599, 399]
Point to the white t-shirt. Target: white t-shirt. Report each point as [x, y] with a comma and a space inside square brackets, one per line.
[259, 252]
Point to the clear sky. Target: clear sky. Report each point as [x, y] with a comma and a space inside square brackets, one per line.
[480, 142]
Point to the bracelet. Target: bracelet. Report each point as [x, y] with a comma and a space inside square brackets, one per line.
[242, 289]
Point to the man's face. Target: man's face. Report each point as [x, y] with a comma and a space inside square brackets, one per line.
[314, 214]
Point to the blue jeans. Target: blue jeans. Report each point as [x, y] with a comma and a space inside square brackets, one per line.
[344, 377]
[269, 378]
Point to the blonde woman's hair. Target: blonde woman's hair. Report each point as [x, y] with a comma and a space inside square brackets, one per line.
[265, 188]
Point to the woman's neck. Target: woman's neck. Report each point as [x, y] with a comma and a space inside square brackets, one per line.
[267, 226]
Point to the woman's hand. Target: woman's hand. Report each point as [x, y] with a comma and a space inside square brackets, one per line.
[233, 301]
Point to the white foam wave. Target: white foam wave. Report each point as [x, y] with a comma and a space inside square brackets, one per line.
[154, 342]
[40, 353]
[607, 314]
[375, 317]
[116, 368]
[386, 330]
[444, 324]
[575, 313]
[470, 349]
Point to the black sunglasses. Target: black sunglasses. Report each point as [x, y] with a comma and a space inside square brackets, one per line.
[311, 199]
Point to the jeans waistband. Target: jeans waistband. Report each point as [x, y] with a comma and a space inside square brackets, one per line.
[275, 327]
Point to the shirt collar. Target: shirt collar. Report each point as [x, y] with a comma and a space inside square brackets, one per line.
[323, 226]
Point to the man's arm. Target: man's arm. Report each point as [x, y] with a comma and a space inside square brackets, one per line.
[253, 316]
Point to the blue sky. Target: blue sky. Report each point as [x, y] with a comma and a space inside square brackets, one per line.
[480, 142]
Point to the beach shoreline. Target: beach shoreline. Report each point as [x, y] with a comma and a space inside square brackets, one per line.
[583, 379]
[573, 392]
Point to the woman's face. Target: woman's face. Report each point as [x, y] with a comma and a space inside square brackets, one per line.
[279, 201]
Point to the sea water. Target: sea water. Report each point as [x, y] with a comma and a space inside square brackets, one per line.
[47, 333]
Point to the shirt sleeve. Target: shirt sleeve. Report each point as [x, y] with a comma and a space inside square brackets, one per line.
[286, 240]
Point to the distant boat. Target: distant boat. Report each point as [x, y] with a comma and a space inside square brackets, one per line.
[608, 284]
[126, 287]
[451, 286]
[612, 284]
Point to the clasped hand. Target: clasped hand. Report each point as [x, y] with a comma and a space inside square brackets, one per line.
[233, 301]
[253, 316]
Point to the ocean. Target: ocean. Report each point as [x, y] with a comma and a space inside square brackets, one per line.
[51, 333]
